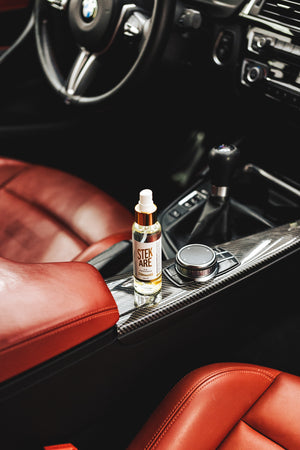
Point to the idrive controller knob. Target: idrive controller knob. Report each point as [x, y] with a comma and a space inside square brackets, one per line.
[197, 262]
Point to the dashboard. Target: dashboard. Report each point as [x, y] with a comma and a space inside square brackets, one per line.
[269, 40]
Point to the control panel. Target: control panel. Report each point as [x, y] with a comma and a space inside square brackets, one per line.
[273, 66]
[185, 205]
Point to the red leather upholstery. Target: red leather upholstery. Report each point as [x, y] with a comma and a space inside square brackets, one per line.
[48, 215]
[60, 447]
[227, 406]
[46, 309]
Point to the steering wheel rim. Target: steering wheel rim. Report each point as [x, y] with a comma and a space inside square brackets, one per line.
[153, 44]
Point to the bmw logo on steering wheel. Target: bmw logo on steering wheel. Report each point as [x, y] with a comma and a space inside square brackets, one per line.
[89, 9]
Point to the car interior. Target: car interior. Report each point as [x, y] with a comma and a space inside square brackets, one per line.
[199, 101]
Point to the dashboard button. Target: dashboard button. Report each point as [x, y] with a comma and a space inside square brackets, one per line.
[175, 213]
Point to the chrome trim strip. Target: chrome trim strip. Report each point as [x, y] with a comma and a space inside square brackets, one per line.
[253, 168]
[218, 40]
[247, 8]
[219, 191]
[282, 84]
[189, 196]
[84, 60]
[276, 26]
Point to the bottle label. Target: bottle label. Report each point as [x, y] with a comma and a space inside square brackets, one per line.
[147, 259]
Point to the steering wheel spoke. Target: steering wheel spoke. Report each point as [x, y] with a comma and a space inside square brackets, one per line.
[81, 73]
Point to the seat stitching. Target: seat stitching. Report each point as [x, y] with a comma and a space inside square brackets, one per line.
[192, 392]
[78, 320]
[203, 381]
[50, 214]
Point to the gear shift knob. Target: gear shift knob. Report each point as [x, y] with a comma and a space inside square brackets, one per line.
[222, 160]
[213, 219]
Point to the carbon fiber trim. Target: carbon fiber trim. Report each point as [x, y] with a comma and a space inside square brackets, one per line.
[253, 253]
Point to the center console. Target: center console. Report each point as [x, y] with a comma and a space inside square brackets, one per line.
[254, 219]
[233, 262]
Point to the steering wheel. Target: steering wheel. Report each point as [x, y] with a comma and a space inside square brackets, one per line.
[109, 43]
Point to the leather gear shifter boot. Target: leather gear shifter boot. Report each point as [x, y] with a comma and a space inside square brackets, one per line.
[213, 223]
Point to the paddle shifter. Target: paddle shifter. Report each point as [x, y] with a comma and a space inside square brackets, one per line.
[213, 220]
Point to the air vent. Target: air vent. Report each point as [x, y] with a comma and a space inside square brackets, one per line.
[286, 12]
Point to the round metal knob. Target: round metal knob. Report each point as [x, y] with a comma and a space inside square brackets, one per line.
[255, 73]
[197, 262]
[263, 41]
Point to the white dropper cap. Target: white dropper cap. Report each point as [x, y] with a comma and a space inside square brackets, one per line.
[146, 204]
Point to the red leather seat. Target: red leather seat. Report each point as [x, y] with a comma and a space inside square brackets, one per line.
[46, 309]
[224, 406]
[227, 406]
[48, 215]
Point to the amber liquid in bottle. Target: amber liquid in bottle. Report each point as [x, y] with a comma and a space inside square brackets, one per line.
[147, 258]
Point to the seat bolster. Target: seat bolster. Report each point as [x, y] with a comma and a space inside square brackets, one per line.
[203, 408]
[277, 413]
[46, 309]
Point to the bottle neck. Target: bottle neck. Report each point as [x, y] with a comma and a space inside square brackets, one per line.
[145, 219]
